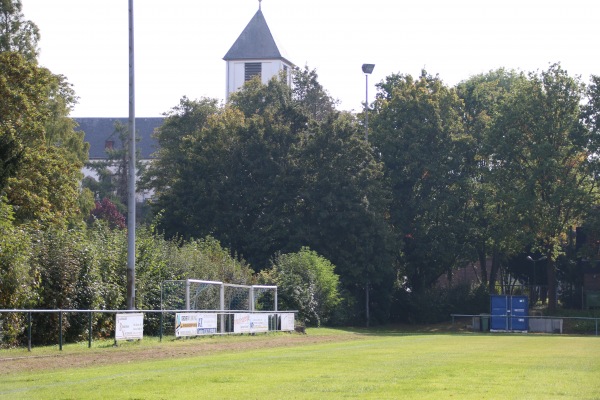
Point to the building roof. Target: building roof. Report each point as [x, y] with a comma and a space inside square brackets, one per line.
[100, 130]
[256, 42]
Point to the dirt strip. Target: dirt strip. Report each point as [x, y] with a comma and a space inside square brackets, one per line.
[165, 350]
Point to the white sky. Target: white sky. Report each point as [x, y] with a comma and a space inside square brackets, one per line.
[179, 44]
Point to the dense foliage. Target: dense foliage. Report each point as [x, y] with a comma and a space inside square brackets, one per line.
[84, 268]
[17, 34]
[307, 283]
[265, 174]
[42, 156]
[280, 186]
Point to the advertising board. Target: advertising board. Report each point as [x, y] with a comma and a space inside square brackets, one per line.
[195, 324]
[287, 321]
[250, 323]
[129, 326]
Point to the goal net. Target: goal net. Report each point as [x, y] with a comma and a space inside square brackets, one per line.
[193, 294]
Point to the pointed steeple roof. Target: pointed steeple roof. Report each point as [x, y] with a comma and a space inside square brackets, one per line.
[256, 42]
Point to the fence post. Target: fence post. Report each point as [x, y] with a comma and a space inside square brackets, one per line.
[29, 331]
[60, 329]
[187, 294]
[222, 306]
[90, 331]
[160, 335]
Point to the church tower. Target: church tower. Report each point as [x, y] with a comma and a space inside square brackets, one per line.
[255, 52]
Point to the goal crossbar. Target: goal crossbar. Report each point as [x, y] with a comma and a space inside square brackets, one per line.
[251, 292]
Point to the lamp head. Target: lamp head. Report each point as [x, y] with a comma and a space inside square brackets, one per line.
[368, 68]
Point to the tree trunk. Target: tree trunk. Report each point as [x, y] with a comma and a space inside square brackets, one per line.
[551, 272]
[483, 266]
[494, 271]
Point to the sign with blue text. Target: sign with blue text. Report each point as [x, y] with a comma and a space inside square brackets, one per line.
[195, 324]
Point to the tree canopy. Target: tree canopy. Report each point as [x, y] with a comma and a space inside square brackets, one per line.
[42, 155]
[17, 34]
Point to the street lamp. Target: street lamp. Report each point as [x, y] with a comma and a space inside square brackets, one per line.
[367, 69]
[542, 258]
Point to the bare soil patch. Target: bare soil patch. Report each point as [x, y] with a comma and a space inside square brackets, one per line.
[163, 350]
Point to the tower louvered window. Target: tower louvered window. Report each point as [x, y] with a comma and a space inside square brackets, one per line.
[251, 70]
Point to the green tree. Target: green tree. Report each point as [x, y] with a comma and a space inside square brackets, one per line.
[17, 34]
[310, 95]
[419, 130]
[542, 161]
[491, 235]
[341, 210]
[19, 281]
[307, 283]
[181, 124]
[262, 176]
[229, 179]
[41, 165]
[591, 114]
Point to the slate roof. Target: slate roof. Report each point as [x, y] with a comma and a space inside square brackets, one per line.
[99, 130]
[256, 42]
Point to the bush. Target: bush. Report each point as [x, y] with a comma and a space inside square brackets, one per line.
[306, 283]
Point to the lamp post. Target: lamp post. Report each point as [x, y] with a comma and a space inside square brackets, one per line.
[130, 301]
[367, 69]
[534, 298]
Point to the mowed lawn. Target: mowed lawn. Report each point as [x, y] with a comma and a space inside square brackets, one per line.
[375, 365]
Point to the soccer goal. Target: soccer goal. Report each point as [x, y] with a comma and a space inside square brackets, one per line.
[209, 307]
[191, 294]
[194, 294]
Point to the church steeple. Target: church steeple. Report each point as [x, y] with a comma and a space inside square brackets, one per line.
[255, 52]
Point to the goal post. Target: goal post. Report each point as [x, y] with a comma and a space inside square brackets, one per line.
[195, 294]
[232, 305]
[261, 297]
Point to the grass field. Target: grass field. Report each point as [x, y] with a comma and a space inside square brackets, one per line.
[324, 364]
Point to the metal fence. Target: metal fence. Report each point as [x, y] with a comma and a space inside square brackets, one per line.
[158, 320]
[575, 325]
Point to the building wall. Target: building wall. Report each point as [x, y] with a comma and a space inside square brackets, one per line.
[236, 72]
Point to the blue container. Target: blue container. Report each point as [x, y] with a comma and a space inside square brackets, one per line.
[509, 313]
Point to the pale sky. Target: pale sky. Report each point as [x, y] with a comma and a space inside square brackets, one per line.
[180, 44]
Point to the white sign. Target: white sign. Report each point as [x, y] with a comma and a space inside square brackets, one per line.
[194, 324]
[129, 326]
[259, 323]
[287, 321]
[250, 323]
[241, 323]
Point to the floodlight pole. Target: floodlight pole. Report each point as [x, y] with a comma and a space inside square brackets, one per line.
[367, 69]
[131, 173]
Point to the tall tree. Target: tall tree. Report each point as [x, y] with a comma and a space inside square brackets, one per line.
[16, 33]
[418, 129]
[542, 161]
[262, 176]
[310, 96]
[491, 235]
[41, 162]
[342, 211]
[182, 123]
